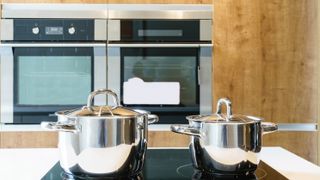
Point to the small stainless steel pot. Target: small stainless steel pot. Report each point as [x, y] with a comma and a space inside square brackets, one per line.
[225, 144]
[102, 140]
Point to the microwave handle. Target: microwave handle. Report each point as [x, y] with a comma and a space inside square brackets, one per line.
[53, 45]
[160, 45]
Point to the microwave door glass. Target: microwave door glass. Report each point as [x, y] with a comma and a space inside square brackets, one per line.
[179, 72]
[54, 79]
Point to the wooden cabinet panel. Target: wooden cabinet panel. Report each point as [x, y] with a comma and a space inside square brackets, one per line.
[28, 139]
[167, 139]
[266, 61]
[301, 143]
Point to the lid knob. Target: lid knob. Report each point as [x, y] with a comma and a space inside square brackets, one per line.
[102, 91]
[227, 102]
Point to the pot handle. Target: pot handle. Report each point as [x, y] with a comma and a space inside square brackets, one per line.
[227, 102]
[58, 126]
[102, 91]
[186, 130]
[268, 127]
[152, 118]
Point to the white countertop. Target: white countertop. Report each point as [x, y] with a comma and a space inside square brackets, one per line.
[32, 164]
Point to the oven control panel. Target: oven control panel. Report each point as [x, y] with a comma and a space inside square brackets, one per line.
[53, 30]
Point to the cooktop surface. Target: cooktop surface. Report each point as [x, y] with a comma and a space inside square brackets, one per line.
[172, 164]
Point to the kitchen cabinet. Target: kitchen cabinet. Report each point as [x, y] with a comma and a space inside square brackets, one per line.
[266, 62]
[35, 139]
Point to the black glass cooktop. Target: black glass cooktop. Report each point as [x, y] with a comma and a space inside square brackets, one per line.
[169, 164]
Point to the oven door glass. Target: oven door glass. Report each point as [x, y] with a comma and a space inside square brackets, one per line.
[160, 77]
[52, 76]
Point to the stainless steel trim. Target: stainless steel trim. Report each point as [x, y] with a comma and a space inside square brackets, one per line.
[100, 72]
[160, 32]
[159, 11]
[206, 75]
[100, 30]
[114, 30]
[297, 127]
[6, 29]
[160, 45]
[6, 109]
[47, 10]
[114, 67]
[205, 30]
[53, 45]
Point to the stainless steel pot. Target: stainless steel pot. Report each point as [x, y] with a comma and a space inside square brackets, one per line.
[226, 144]
[102, 140]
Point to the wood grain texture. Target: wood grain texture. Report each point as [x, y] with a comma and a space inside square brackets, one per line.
[266, 62]
[167, 139]
[301, 143]
[28, 139]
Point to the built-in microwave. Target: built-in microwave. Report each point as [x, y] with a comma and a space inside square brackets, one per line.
[49, 65]
[161, 65]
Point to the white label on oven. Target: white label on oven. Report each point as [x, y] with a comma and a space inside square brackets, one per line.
[136, 91]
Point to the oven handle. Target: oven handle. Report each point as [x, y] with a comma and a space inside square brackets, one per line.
[53, 45]
[160, 45]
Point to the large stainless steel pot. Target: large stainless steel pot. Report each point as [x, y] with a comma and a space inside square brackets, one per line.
[225, 144]
[102, 140]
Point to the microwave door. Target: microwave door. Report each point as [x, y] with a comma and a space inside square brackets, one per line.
[169, 66]
[31, 69]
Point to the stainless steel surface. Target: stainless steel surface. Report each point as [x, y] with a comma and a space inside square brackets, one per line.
[206, 76]
[297, 127]
[160, 45]
[228, 104]
[47, 10]
[6, 29]
[6, 99]
[32, 44]
[100, 30]
[100, 71]
[7, 59]
[102, 91]
[205, 30]
[104, 11]
[159, 11]
[225, 143]
[114, 30]
[114, 73]
[106, 143]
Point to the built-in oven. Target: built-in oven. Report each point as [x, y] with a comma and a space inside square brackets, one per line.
[50, 64]
[161, 64]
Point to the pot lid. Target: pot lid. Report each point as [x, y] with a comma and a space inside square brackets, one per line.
[219, 117]
[102, 111]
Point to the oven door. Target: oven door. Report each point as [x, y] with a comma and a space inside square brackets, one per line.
[166, 79]
[40, 79]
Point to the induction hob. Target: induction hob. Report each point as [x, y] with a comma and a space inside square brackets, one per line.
[172, 164]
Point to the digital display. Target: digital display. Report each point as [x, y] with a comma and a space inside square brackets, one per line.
[54, 30]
